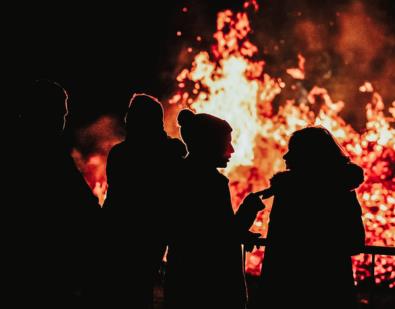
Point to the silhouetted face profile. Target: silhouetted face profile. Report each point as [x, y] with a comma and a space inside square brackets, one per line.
[144, 118]
[44, 110]
[225, 151]
[208, 138]
[313, 148]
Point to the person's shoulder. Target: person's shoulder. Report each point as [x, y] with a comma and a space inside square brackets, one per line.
[117, 149]
[176, 147]
[281, 179]
[224, 179]
[115, 155]
[353, 176]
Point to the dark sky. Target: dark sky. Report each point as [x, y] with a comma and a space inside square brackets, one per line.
[101, 53]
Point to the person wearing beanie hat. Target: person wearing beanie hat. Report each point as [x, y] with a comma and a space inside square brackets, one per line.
[204, 268]
[141, 176]
[207, 137]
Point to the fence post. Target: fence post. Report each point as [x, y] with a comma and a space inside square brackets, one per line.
[373, 282]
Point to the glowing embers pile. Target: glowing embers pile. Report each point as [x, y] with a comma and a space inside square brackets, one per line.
[228, 83]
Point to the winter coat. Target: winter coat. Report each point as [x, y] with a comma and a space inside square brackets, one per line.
[315, 226]
[204, 268]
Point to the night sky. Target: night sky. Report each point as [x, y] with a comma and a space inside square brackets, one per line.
[102, 53]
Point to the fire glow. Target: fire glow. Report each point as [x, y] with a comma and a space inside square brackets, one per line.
[230, 83]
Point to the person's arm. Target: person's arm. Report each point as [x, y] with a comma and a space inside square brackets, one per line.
[266, 193]
[356, 229]
[246, 213]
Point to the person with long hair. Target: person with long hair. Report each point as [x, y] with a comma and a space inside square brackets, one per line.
[315, 226]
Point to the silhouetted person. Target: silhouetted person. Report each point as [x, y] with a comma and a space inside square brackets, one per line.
[56, 208]
[204, 268]
[141, 175]
[315, 226]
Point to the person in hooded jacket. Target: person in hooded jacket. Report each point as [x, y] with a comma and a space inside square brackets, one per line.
[142, 177]
[315, 226]
[205, 265]
[54, 228]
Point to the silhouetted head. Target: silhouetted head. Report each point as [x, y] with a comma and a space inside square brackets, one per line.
[144, 117]
[44, 109]
[207, 137]
[313, 149]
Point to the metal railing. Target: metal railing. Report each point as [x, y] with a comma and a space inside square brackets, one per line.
[373, 250]
[377, 250]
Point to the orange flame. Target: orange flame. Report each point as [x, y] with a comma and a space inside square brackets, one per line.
[99, 138]
[228, 83]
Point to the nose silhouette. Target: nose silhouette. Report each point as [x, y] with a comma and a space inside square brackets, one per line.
[230, 149]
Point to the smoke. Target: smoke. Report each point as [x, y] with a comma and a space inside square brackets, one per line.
[93, 143]
[366, 48]
[360, 40]
[345, 43]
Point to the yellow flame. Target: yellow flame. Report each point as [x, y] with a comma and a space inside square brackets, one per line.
[228, 83]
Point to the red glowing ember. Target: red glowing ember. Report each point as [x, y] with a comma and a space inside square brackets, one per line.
[230, 83]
